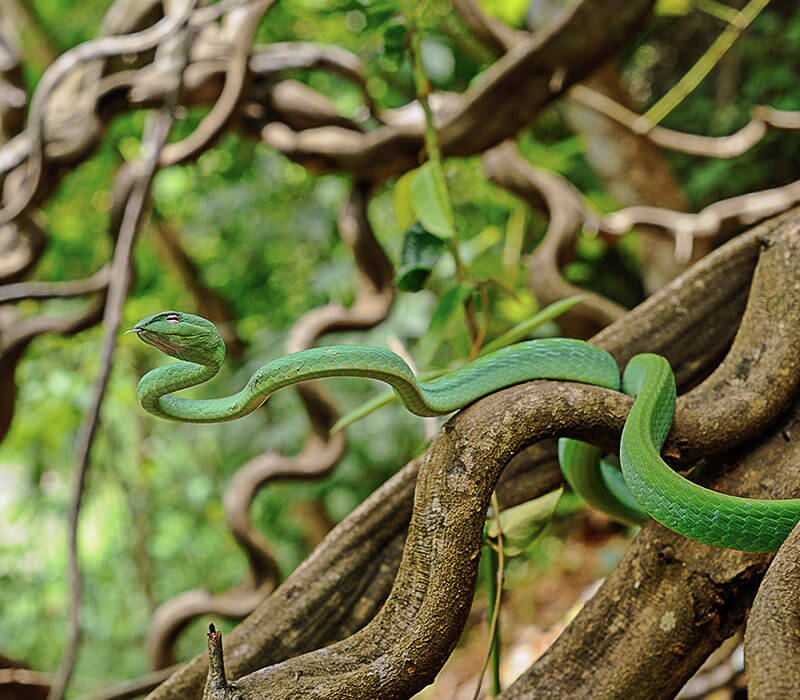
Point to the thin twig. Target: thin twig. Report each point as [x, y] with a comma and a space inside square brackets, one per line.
[217, 686]
[54, 290]
[484, 327]
[494, 604]
[155, 136]
[103, 47]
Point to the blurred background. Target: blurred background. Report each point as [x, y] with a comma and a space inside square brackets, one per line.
[262, 234]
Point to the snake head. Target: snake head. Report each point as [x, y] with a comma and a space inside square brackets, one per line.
[185, 336]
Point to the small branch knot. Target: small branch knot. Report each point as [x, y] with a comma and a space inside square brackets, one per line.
[217, 686]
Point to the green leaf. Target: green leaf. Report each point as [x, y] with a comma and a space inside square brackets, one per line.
[421, 251]
[364, 410]
[403, 204]
[450, 303]
[515, 237]
[510, 11]
[522, 524]
[430, 202]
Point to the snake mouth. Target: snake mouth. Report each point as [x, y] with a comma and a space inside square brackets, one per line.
[157, 340]
[162, 340]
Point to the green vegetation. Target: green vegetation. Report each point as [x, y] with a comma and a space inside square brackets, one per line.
[262, 230]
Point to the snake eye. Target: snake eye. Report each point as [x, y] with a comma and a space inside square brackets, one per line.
[172, 318]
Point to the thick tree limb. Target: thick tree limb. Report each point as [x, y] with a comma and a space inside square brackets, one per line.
[687, 601]
[405, 644]
[772, 639]
[539, 67]
[669, 602]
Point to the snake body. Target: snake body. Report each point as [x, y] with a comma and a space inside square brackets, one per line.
[647, 486]
[733, 522]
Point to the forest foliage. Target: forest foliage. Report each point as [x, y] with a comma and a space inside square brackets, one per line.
[263, 232]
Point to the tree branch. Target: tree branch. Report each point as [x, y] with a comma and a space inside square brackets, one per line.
[772, 639]
[154, 138]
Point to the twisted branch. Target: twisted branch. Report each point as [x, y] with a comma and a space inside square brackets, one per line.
[508, 97]
[548, 191]
[90, 51]
[528, 69]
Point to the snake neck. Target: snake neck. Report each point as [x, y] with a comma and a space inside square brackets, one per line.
[165, 380]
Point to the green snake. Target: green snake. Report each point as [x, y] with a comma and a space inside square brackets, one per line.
[647, 486]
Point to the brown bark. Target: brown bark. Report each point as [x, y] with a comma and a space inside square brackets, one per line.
[670, 601]
[345, 583]
[512, 91]
[632, 167]
[772, 638]
[18, 682]
[401, 649]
